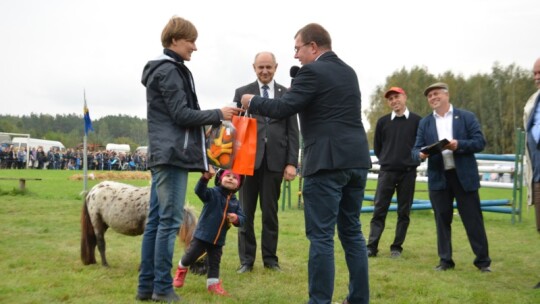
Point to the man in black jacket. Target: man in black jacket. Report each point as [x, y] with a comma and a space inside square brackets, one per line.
[326, 94]
[395, 134]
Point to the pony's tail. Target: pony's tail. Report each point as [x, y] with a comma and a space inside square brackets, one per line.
[187, 229]
[88, 237]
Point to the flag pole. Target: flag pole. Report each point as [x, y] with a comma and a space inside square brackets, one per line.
[85, 165]
[85, 158]
[87, 127]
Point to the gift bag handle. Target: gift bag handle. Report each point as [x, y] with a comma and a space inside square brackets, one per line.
[245, 113]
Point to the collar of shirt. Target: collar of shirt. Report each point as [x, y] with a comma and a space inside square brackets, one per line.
[270, 85]
[406, 114]
[450, 111]
[320, 56]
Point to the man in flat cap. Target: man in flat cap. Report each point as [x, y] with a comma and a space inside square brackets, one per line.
[395, 134]
[453, 174]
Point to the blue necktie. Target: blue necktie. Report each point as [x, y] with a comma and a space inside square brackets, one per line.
[265, 95]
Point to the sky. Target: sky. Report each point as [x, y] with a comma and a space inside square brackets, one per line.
[56, 51]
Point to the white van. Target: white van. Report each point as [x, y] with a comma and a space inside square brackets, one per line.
[142, 149]
[118, 148]
[5, 138]
[30, 143]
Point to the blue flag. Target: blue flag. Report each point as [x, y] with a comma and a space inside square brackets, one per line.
[87, 121]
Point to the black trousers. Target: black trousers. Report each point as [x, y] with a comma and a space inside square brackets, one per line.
[468, 205]
[197, 248]
[388, 182]
[536, 201]
[263, 187]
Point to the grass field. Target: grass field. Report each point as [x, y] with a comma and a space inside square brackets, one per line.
[40, 259]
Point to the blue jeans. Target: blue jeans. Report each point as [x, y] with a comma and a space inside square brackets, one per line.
[335, 197]
[167, 197]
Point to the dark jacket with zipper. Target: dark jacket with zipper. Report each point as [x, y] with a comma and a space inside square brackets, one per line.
[175, 120]
[213, 225]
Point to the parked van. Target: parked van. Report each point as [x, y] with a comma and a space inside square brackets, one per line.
[30, 143]
[142, 149]
[5, 138]
[118, 148]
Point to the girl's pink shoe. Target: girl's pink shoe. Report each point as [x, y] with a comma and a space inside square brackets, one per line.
[180, 277]
[217, 289]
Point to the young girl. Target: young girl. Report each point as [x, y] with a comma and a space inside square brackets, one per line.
[220, 210]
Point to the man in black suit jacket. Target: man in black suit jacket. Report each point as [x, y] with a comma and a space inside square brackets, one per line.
[326, 94]
[276, 158]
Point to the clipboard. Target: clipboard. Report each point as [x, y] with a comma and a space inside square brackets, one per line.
[435, 148]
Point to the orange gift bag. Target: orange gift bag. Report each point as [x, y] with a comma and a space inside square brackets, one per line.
[245, 145]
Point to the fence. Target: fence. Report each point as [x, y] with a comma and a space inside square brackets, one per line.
[509, 169]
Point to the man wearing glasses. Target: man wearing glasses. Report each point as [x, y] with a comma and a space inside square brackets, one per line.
[326, 95]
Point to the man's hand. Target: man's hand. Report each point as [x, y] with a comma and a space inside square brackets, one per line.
[453, 145]
[246, 98]
[290, 173]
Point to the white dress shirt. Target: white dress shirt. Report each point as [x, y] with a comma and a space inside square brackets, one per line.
[444, 130]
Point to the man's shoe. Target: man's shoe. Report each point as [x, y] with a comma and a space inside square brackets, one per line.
[485, 269]
[143, 297]
[537, 286]
[180, 277]
[273, 267]
[244, 268]
[170, 297]
[443, 267]
[217, 289]
[371, 253]
[395, 254]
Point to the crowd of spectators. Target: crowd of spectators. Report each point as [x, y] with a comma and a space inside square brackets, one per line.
[71, 159]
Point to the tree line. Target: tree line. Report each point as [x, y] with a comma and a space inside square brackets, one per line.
[69, 129]
[496, 98]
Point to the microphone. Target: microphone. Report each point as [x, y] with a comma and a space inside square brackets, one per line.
[293, 71]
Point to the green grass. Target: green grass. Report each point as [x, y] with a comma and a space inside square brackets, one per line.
[40, 235]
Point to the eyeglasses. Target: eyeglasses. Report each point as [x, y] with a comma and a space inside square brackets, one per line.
[297, 48]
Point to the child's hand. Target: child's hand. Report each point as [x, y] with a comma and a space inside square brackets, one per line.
[210, 173]
[232, 217]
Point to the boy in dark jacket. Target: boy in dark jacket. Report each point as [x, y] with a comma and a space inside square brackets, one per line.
[220, 210]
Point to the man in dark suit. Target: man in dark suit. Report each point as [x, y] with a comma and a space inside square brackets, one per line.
[453, 174]
[276, 158]
[326, 94]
